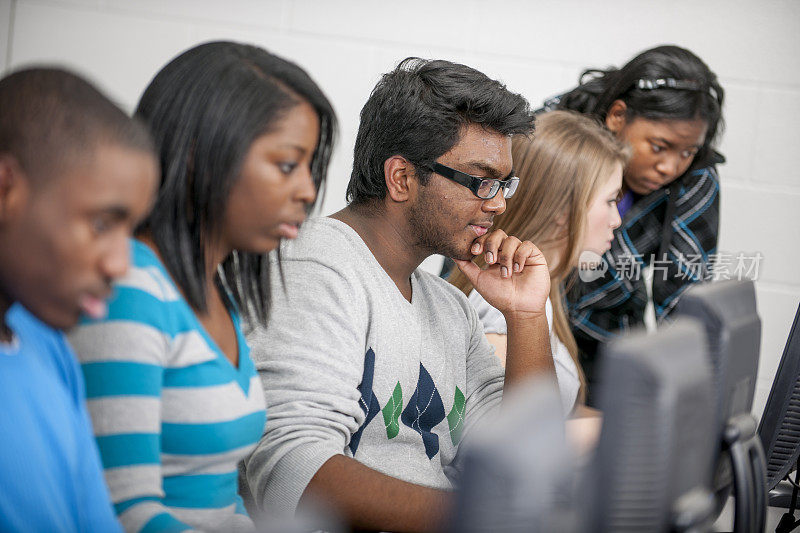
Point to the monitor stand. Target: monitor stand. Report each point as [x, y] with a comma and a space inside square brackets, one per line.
[740, 438]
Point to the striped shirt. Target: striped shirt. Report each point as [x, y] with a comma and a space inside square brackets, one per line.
[172, 416]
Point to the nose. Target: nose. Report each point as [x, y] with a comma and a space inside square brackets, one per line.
[615, 219]
[306, 191]
[668, 165]
[116, 260]
[495, 205]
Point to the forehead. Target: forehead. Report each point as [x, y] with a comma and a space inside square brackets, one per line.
[679, 132]
[298, 125]
[480, 149]
[612, 181]
[108, 174]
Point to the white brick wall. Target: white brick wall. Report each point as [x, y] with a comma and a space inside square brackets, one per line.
[538, 48]
[5, 27]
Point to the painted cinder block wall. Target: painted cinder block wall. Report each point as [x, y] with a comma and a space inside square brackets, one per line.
[537, 48]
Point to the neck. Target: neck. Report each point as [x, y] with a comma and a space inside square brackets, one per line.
[387, 238]
[213, 260]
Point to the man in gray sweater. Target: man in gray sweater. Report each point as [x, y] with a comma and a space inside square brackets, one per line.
[374, 370]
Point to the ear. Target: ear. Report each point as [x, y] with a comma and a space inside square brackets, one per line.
[400, 176]
[14, 187]
[617, 116]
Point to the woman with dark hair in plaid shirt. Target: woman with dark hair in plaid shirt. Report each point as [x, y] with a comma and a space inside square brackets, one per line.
[667, 104]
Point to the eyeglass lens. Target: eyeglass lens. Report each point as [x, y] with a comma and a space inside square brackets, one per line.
[489, 188]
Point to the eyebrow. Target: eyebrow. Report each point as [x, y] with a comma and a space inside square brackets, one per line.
[297, 147]
[490, 171]
[670, 145]
[662, 141]
[116, 212]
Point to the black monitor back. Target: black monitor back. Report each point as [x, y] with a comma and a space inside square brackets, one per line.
[727, 310]
[516, 469]
[779, 429]
[654, 456]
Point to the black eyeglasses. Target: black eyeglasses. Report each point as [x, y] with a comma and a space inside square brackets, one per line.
[483, 188]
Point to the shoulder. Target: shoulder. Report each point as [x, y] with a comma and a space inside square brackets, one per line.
[148, 275]
[322, 239]
[28, 328]
[145, 313]
[706, 176]
[699, 187]
[327, 255]
[146, 293]
[50, 345]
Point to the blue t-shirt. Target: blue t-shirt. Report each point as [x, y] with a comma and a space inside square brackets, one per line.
[50, 475]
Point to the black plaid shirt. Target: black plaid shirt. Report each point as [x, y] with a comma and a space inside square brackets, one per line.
[615, 302]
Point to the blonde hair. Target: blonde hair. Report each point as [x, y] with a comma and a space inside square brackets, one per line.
[560, 169]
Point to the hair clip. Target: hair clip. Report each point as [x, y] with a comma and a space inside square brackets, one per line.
[669, 83]
[648, 84]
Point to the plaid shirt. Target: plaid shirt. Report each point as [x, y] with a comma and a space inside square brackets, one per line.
[616, 301]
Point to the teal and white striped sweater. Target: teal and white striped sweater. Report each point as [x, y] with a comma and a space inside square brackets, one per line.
[171, 415]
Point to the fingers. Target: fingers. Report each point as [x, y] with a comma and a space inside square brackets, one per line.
[507, 252]
[524, 252]
[490, 245]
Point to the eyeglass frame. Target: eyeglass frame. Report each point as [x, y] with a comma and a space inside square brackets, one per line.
[473, 183]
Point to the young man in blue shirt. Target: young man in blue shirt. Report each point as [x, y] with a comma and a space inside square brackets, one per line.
[76, 174]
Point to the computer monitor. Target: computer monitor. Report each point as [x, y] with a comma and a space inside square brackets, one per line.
[727, 310]
[779, 429]
[653, 462]
[516, 472]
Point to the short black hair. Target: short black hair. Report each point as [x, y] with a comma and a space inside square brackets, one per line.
[419, 111]
[50, 117]
[205, 108]
[598, 89]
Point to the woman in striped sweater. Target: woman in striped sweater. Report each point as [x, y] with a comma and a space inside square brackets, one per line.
[244, 139]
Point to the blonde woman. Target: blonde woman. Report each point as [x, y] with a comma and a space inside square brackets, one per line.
[570, 178]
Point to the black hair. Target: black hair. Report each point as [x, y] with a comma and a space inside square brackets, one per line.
[418, 111]
[695, 93]
[50, 117]
[205, 108]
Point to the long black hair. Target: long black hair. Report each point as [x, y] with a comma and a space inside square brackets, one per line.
[663, 83]
[204, 109]
[418, 111]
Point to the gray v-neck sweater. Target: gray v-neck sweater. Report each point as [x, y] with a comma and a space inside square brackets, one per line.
[349, 366]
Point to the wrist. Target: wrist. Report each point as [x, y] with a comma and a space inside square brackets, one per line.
[524, 317]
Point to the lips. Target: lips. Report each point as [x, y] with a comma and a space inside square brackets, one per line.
[289, 230]
[95, 307]
[480, 229]
[650, 184]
